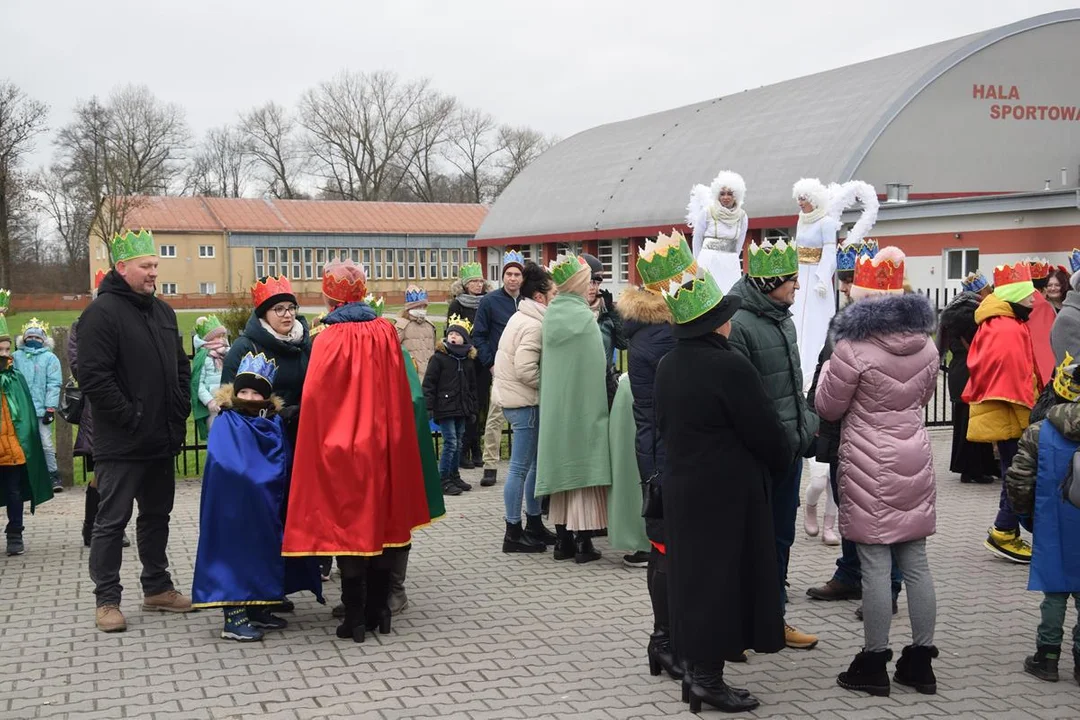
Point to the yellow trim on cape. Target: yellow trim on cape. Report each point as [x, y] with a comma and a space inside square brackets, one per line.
[344, 553]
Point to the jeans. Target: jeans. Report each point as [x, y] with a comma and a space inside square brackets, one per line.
[1006, 519]
[1052, 623]
[48, 445]
[848, 568]
[453, 430]
[521, 480]
[877, 601]
[785, 508]
[120, 483]
[11, 481]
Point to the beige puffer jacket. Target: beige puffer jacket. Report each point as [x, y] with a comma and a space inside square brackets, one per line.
[418, 337]
[517, 361]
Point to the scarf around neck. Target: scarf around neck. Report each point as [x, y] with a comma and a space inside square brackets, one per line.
[295, 336]
[470, 301]
[218, 348]
[811, 217]
[721, 214]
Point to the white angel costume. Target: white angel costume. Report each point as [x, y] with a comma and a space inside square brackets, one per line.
[719, 232]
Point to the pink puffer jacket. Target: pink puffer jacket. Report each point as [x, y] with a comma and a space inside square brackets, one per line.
[881, 375]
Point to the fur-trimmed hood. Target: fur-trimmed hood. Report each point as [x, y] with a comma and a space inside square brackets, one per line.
[227, 400]
[900, 323]
[441, 347]
[50, 344]
[642, 306]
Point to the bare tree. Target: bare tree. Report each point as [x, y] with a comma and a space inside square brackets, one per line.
[22, 119]
[64, 201]
[222, 164]
[274, 144]
[434, 123]
[473, 144]
[518, 147]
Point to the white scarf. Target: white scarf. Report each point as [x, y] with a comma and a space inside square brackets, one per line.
[721, 214]
[811, 217]
[295, 336]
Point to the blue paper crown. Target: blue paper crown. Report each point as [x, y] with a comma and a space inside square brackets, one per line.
[974, 282]
[1074, 260]
[513, 256]
[418, 295]
[259, 366]
[848, 255]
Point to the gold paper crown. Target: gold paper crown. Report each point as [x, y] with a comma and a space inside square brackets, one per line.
[460, 321]
[1065, 384]
[35, 324]
[669, 257]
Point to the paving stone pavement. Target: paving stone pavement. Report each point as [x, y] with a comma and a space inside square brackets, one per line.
[489, 635]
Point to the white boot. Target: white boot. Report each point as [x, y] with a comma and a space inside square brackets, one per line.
[829, 536]
[810, 520]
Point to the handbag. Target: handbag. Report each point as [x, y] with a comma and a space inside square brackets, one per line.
[71, 402]
[652, 496]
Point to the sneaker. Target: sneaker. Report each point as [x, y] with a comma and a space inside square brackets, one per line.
[238, 626]
[799, 640]
[449, 487]
[639, 559]
[834, 590]
[1044, 663]
[108, 618]
[168, 601]
[15, 545]
[489, 477]
[461, 483]
[1008, 544]
[260, 617]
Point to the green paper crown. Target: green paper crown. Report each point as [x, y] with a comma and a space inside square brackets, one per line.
[378, 304]
[132, 245]
[5, 300]
[690, 303]
[471, 271]
[669, 257]
[565, 267]
[779, 260]
[204, 325]
[5, 334]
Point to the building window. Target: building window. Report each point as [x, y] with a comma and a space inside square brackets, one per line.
[296, 263]
[376, 265]
[401, 265]
[775, 235]
[388, 264]
[433, 264]
[960, 262]
[320, 261]
[455, 263]
[260, 266]
[168, 251]
[366, 260]
[271, 262]
[604, 252]
[355, 255]
[564, 248]
[445, 261]
[331, 255]
[168, 289]
[624, 261]
[412, 264]
[423, 264]
[309, 267]
[207, 251]
[207, 288]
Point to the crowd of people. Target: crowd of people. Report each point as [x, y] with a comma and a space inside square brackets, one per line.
[740, 372]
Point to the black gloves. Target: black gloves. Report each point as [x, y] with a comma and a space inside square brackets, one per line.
[50, 415]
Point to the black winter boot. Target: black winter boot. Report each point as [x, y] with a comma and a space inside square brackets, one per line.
[534, 528]
[1044, 663]
[449, 487]
[564, 545]
[584, 550]
[377, 614]
[461, 483]
[707, 686]
[867, 673]
[517, 540]
[662, 656]
[489, 478]
[915, 668]
[353, 594]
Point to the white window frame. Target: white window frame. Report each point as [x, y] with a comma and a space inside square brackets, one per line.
[401, 268]
[207, 288]
[207, 251]
[623, 250]
[309, 263]
[260, 263]
[969, 262]
[169, 288]
[167, 251]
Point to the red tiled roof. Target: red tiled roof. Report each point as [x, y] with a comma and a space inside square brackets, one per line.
[207, 214]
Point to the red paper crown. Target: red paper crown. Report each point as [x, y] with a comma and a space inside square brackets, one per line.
[98, 278]
[879, 274]
[274, 285]
[1009, 274]
[343, 290]
[1040, 268]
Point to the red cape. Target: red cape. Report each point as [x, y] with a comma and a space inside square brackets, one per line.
[1001, 363]
[1039, 324]
[357, 482]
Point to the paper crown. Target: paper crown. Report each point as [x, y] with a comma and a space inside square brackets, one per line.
[779, 260]
[690, 296]
[669, 257]
[471, 271]
[1009, 274]
[1074, 259]
[132, 245]
[414, 294]
[259, 366]
[513, 257]
[38, 327]
[974, 282]
[881, 273]
[566, 266]
[378, 304]
[848, 255]
[206, 324]
[5, 334]
[1065, 384]
[262, 291]
[460, 322]
[5, 300]
[1040, 268]
[346, 282]
[98, 277]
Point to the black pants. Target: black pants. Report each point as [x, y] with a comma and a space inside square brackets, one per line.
[120, 483]
[472, 442]
[656, 577]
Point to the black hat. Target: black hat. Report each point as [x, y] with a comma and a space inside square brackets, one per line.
[595, 266]
[712, 319]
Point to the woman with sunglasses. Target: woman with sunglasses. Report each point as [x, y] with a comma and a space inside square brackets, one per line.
[716, 214]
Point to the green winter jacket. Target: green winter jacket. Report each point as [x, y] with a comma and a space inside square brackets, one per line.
[764, 332]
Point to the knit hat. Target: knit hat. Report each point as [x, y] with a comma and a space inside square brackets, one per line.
[881, 275]
[513, 258]
[269, 291]
[256, 372]
[595, 266]
[460, 325]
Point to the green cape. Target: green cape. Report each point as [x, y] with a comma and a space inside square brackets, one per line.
[432, 480]
[573, 445]
[36, 486]
[198, 410]
[626, 527]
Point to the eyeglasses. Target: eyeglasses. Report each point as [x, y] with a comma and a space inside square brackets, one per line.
[283, 310]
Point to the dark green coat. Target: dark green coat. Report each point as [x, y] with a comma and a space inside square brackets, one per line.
[763, 331]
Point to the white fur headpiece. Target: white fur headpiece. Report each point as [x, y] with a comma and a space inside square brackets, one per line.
[812, 190]
[733, 181]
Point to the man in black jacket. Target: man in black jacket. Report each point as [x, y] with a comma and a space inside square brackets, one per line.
[133, 370]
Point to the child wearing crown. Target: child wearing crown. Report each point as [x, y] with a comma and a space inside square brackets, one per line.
[239, 566]
[450, 391]
[415, 332]
[38, 363]
[211, 347]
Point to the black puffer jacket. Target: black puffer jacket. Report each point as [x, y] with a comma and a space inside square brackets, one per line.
[292, 360]
[647, 325]
[450, 384]
[133, 370]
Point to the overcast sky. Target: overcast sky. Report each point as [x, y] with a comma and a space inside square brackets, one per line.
[560, 67]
